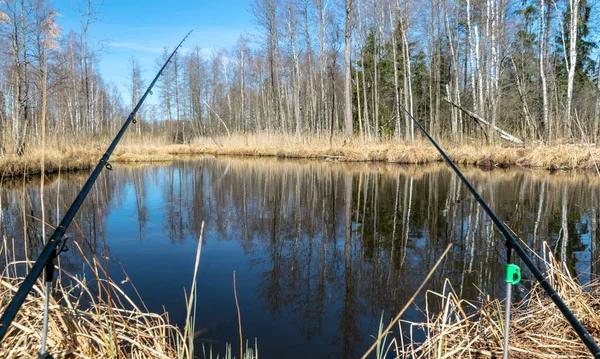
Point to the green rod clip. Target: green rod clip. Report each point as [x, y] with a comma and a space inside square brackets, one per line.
[513, 274]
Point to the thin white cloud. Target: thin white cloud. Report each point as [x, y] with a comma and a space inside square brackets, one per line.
[135, 46]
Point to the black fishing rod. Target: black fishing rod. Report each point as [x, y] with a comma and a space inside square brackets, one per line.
[511, 243]
[50, 252]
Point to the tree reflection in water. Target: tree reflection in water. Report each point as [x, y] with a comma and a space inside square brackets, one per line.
[324, 248]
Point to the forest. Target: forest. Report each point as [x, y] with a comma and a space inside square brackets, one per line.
[318, 69]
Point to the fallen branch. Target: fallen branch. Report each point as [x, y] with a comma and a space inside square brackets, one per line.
[332, 157]
[503, 134]
[219, 117]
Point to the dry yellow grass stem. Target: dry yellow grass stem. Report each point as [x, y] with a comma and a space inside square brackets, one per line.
[158, 149]
[538, 329]
[385, 332]
[82, 325]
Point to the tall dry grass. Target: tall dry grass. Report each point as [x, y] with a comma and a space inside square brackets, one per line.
[92, 317]
[355, 150]
[476, 330]
[159, 149]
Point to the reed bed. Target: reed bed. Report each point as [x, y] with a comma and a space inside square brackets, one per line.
[476, 330]
[92, 317]
[357, 150]
[158, 149]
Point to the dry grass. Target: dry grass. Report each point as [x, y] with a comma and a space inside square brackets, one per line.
[89, 318]
[67, 160]
[538, 329]
[147, 149]
[557, 157]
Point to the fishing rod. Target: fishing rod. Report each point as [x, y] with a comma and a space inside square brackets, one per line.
[511, 243]
[49, 253]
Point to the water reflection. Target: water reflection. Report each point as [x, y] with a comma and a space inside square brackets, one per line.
[321, 249]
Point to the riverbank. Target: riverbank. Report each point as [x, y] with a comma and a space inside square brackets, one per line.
[537, 328]
[81, 157]
[90, 316]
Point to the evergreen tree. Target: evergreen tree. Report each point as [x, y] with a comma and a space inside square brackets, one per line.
[585, 66]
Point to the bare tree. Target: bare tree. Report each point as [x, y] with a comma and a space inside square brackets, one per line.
[88, 14]
[135, 87]
[348, 5]
[572, 60]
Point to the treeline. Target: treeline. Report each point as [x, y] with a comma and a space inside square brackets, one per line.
[523, 66]
[50, 80]
[320, 68]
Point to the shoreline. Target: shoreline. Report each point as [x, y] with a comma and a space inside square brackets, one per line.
[560, 157]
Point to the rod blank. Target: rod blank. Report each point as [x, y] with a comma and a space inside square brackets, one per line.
[583, 334]
[15, 304]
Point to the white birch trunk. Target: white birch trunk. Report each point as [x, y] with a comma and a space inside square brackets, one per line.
[597, 112]
[572, 62]
[395, 59]
[542, 45]
[408, 102]
[472, 60]
[347, 71]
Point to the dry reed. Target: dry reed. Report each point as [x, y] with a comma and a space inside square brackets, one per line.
[91, 316]
[147, 149]
[537, 329]
[82, 324]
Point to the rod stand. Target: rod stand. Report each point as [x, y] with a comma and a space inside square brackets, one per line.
[48, 278]
[513, 276]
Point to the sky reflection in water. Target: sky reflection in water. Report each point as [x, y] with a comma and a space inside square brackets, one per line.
[320, 249]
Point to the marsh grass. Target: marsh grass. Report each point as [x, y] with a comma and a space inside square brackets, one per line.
[356, 150]
[158, 149]
[537, 330]
[91, 316]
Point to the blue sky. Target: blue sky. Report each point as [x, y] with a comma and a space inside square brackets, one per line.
[143, 28]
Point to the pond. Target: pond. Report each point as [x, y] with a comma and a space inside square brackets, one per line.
[321, 250]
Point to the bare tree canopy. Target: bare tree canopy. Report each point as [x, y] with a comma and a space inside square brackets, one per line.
[315, 68]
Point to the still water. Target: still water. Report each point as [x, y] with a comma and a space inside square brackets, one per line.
[321, 250]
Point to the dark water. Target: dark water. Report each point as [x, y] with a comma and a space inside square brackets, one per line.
[320, 250]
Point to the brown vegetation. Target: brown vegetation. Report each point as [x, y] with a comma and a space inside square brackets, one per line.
[83, 157]
[89, 318]
[538, 330]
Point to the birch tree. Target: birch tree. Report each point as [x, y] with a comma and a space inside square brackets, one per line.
[572, 61]
[348, 5]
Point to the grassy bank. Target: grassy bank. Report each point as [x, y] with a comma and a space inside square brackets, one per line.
[90, 316]
[153, 150]
[556, 157]
[476, 330]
